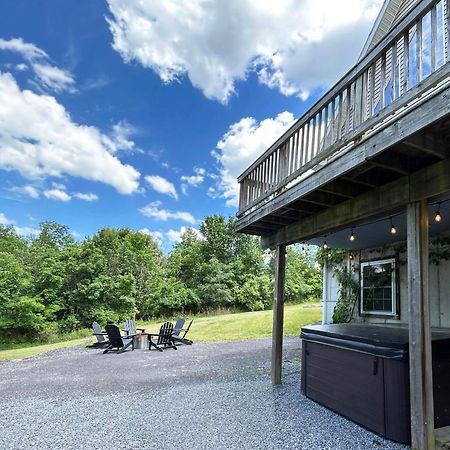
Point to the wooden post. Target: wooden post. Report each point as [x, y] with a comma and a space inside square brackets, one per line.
[278, 312]
[420, 358]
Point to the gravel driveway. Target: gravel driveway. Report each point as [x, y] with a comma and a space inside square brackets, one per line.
[207, 396]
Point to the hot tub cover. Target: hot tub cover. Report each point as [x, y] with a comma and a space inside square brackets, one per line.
[379, 340]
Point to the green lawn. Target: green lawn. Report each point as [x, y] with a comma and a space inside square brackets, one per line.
[249, 325]
[217, 328]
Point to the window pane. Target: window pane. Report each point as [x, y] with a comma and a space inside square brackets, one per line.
[377, 294]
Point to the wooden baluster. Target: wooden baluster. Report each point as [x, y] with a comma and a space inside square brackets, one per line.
[296, 149]
[359, 100]
[447, 31]
[419, 51]
[306, 149]
[433, 38]
[326, 129]
[348, 110]
[382, 80]
[333, 121]
[394, 72]
[316, 135]
[372, 88]
[405, 82]
[291, 155]
[340, 115]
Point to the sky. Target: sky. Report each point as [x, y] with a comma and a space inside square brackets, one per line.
[142, 113]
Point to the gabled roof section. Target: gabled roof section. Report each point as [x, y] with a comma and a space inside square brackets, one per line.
[391, 13]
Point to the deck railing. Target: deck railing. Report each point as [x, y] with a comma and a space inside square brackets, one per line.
[417, 47]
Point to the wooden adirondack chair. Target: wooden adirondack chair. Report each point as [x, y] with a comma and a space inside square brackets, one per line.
[100, 335]
[130, 328]
[164, 338]
[117, 341]
[182, 339]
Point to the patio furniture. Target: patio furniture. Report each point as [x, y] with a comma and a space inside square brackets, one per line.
[164, 338]
[117, 341]
[100, 335]
[130, 328]
[182, 339]
[140, 341]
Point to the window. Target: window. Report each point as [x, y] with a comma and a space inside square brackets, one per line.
[378, 288]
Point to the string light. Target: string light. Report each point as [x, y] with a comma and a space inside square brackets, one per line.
[393, 229]
[352, 236]
[438, 216]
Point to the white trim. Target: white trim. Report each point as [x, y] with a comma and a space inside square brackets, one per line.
[393, 311]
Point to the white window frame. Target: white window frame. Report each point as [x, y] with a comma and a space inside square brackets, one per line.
[393, 311]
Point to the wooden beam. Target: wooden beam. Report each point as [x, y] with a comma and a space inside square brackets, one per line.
[420, 357]
[342, 188]
[278, 313]
[392, 162]
[428, 143]
[429, 182]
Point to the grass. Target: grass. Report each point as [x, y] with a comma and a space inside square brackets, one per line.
[249, 325]
[216, 328]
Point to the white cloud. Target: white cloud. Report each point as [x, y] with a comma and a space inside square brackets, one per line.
[158, 236]
[54, 78]
[294, 46]
[161, 185]
[175, 236]
[120, 137]
[26, 231]
[155, 211]
[21, 231]
[27, 50]
[4, 220]
[38, 138]
[243, 143]
[88, 197]
[57, 194]
[193, 180]
[48, 76]
[28, 190]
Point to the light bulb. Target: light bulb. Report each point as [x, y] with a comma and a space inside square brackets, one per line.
[325, 245]
[438, 216]
[352, 236]
[393, 229]
[350, 256]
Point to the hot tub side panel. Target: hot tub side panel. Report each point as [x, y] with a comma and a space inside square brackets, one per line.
[354, 384]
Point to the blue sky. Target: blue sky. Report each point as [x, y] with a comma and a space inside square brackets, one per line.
[141, 114]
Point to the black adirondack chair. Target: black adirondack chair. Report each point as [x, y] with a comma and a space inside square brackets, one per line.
[182, 339]
[116, 341]
[163, 339]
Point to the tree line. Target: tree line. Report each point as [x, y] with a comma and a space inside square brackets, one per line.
[53, 284]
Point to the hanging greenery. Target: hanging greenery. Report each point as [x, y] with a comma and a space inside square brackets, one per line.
[348, 287]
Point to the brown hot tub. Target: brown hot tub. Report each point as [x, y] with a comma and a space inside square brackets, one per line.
[362, 372]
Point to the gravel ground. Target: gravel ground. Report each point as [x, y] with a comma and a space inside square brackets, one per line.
[207, 396]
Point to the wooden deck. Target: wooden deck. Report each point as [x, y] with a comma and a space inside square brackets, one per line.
[386, 119]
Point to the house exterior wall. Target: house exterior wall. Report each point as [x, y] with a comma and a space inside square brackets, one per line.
[329, 295]
[439, 291]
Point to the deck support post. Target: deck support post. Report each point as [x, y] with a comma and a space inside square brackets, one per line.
[278, 312]
[420, 358]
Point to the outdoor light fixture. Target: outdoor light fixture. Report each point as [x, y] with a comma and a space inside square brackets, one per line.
[350, 255]
[438, 216]
[393, 229]
[325, 245]
[352, 236]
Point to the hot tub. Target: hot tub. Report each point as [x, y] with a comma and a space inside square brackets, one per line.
[362, 372]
